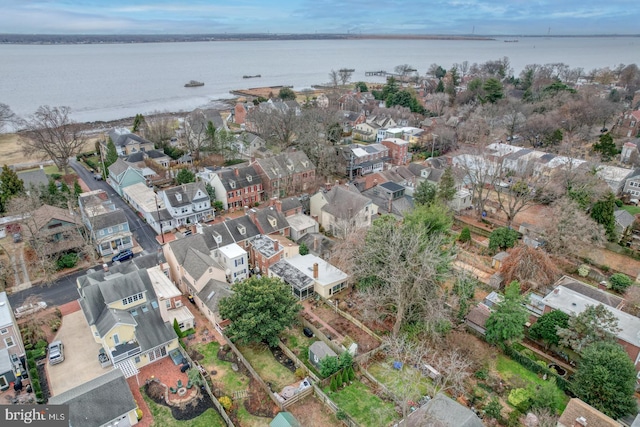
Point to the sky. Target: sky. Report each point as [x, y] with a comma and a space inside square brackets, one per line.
[450, 17]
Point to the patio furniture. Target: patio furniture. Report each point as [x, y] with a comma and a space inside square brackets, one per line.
[189, 385]
[180, 384]
[173, 390]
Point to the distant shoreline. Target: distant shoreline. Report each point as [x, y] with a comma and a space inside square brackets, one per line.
[56, 39]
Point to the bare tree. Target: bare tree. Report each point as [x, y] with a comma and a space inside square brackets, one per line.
[6, 116]
[159, 128]
[344, 75]
[399, 268]
[569, 229]
[334, 78]
[632, 299]
[437, 102]
[51, 133]
[541, 417]
[196, 133]
[453, 368]
[521, 194]
[482, 171]
[532, 267]
[276, 126]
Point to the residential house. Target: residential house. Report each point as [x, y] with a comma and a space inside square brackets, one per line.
[170, 298]
[285, 419]
[341, 209]
[445, 412]
[363, 183]
[632, 185]
[55, 229]
[107, 224]
[614, 176]
[624, 221]
[240, 112]
[234, 260]
[235, 187]
[580, 414]
[249, 145]
[156, 156]
[291, 206]
[33, 178]
[628, 125]
[122, 309]
[364, 159]
[366, 132]
[572, 297]
[318, 244]
[286, 174]
[270, 220]
[125, 142]
[103, 401]
[265, 251]
[389, 198]
[350, 119]
[477, 318]
[150, 207]
[187, 203]
[208, 298]
[309, 275]
[122, 175]
[629, 151]
[398, 150]
[301, 224]
[11, 346]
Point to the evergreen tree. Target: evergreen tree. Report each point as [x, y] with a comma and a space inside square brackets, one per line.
[606, 147]
[492, 91]
[447, 186]
[10, 185]
[602, 212]
[425, 194]
[303, 249]
[137, 123]
[185, 176]
[440, 87]
[506, 324]
[77, 189]
[211, 192]
[112, 154]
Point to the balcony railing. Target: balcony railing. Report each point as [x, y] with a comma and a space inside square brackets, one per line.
[125, 351]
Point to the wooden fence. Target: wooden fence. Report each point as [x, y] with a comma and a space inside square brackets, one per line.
[215, 401]
[253, 373]
[346, 419]
[332, 344]
[297, 398]
[352, 320]
[299, 363]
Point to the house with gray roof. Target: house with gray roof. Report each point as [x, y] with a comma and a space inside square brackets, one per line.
[389, 198]
[442, 411]
[208, 299]
[33, 178]
[103, 401]
[125, 141]
[572, 299]
[318, 351]
[121, 307]
[341, 209]
[107, 224]
[235, 187]
[187, 203]
[270, 220]
[308, 275]
[318, 244]
[122, 175]
[157, 156]
[286, 174]
[624, 221]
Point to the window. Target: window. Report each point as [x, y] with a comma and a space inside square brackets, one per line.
[9, 342]
[116, 339]
[167, 303]
[4, 331]
[134, 313]
[137, 359]
[145, 308]
[110, 230]
[154, 304]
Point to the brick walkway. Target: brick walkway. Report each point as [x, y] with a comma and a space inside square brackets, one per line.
[70, 307]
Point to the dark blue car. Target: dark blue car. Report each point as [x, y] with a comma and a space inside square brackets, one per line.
[123, 256]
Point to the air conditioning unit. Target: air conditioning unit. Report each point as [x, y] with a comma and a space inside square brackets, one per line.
[178, 303]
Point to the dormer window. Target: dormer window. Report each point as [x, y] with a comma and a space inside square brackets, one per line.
[305, 163]
[249, 178]
[179, 197]
[242, 230]
[272, 221]
[217, 237]
[232, 183]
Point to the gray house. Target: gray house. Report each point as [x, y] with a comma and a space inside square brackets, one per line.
[318, 351]
[442, 411]
[104, 401]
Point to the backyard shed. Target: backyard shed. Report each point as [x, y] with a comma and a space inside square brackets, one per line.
[318, 351]
[285, 419]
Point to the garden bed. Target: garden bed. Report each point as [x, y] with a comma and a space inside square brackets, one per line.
[346, 328]
[198, 412]
[406, 383]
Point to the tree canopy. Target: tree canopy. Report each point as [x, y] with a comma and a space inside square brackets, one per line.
[606, 379]
[546, 327]
[502, 238]
[185, 176]
[596, 323]
[10, 186]
[425, 194]
[287, 94]
[259, 310]
[506, 324]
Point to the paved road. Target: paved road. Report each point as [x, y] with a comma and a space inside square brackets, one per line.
[64, 290]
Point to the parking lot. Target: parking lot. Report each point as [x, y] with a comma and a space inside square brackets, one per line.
[80, 355]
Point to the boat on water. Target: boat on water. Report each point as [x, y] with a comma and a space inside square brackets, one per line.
[194, 83]
[251, 77]
[512, 41]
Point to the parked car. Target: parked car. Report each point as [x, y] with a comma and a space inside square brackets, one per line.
[25, 310]
[123, 256]
[307, 332]
[56, 352]
[97, 176]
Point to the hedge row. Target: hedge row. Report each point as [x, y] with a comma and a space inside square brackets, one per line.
[562, 383]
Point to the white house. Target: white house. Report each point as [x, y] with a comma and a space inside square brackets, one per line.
[308, 275]
[187, 203]
[234, 260]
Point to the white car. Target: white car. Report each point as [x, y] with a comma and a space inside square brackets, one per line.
[56, 352]
[27, 309]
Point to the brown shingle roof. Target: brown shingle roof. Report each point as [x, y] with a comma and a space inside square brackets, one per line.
[577, 408]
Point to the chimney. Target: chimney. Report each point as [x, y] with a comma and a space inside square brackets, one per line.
[279, 206]
[237, 172]
[272, 201]
[315, 243]
[276, 246]
[199, 228]
[580, 422]
[315, 270]
[390, 204]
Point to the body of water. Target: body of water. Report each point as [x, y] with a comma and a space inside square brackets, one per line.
[112, 81]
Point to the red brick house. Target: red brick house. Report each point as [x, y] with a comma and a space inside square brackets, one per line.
[286, 174]
[398, 150]
[629, 125]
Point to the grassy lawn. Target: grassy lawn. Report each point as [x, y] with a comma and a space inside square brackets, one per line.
[397, 381]
[162, 416]
[227, 378]
[363, 406]
[269, 369]
[299, 344]
[631, 209]
[510, 369]
[248, 420]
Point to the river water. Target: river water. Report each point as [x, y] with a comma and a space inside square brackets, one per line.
[113, 81]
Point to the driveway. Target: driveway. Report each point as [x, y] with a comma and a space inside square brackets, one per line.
[80, 355]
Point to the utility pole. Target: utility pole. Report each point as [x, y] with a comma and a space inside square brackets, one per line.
[433, 143]
[158, 214]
